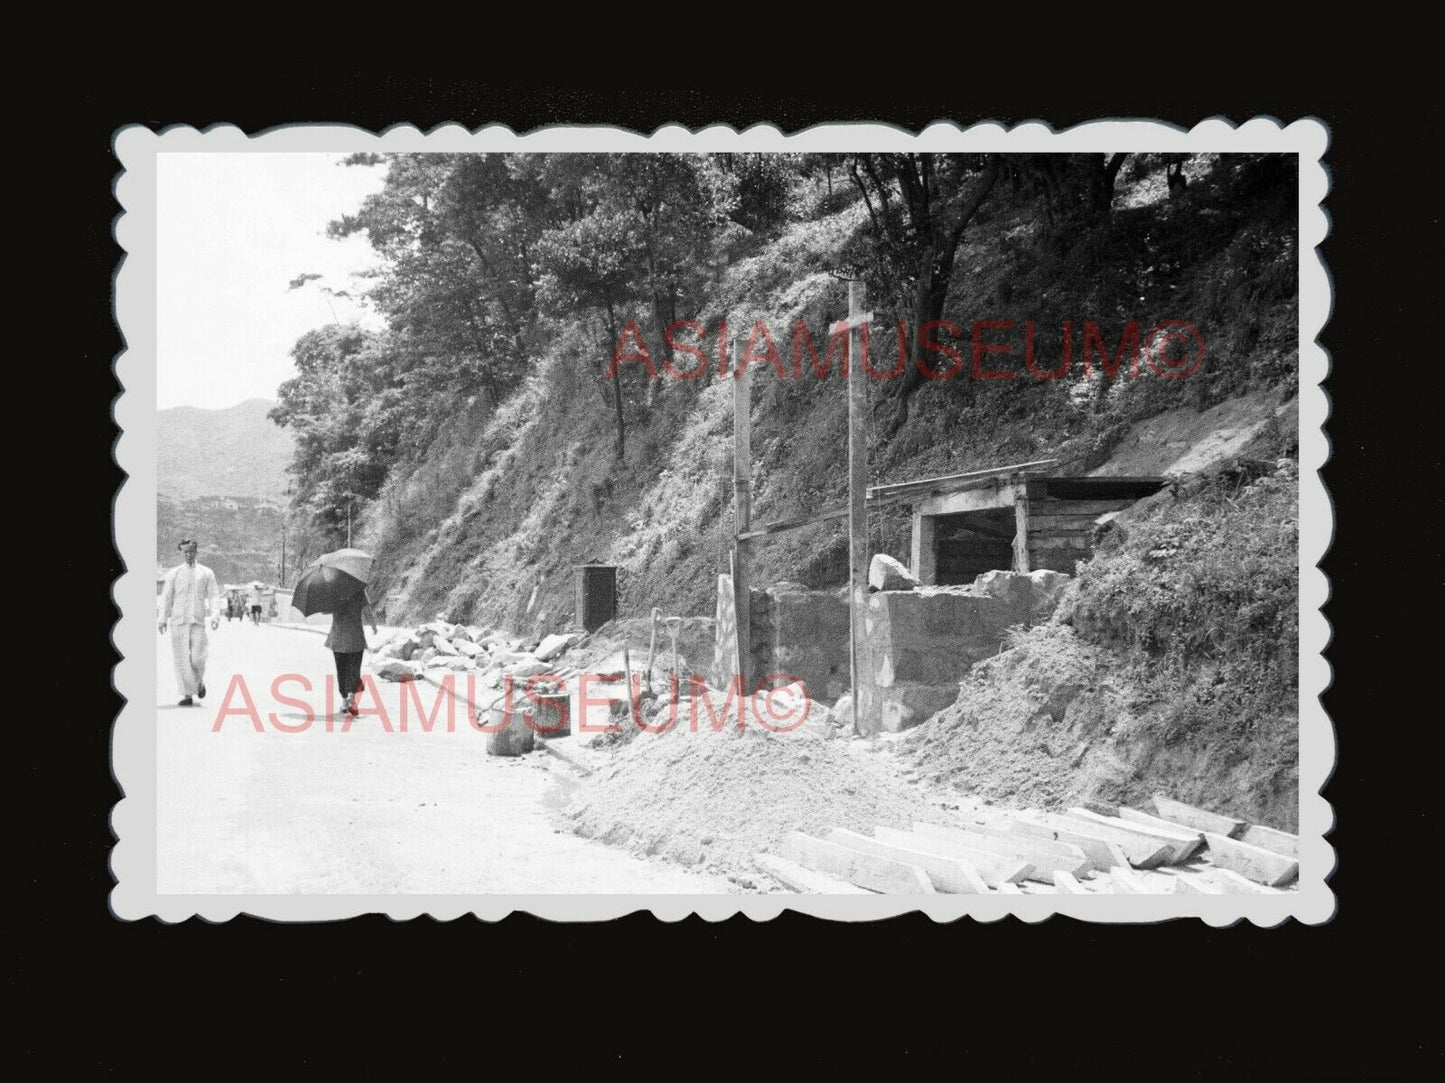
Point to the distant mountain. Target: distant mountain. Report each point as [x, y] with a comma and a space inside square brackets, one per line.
[235, 452]
[221, 479]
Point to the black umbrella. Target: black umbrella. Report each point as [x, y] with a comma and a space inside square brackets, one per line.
[324, 589]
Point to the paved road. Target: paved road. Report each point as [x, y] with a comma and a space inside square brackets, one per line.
[361, 811]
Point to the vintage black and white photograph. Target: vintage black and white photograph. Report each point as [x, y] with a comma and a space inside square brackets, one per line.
[852, 523]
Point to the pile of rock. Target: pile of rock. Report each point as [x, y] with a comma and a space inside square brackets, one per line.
[445, 647]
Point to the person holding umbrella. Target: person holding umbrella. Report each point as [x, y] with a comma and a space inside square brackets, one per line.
[336, 584]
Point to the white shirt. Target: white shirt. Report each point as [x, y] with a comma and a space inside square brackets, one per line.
[190, 595]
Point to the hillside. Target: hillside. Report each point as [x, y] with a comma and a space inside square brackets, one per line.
[488, 523]
[237, 451]
[221, 479]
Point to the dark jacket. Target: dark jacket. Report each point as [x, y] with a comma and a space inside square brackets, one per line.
[346, 633]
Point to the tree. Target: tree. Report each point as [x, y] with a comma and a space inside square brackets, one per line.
[919, 206]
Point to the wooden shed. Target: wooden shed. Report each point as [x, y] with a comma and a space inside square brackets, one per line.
[1015, 521]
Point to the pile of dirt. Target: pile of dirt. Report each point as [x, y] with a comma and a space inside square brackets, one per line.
[1056, 721]
[720, 798]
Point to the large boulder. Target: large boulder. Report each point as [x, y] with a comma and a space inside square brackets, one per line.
[407, 646]
[468, 648]
[526, 666]
[886, 573]
[554, 645]
[444, 647]
[394, 669]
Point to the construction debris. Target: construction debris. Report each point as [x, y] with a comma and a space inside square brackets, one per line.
[1030, 852]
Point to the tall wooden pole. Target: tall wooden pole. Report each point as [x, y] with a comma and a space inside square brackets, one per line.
[857, 489]
[742, 511]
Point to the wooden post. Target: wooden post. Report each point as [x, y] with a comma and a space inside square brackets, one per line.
[1021, 527]
[925, 548]
[742, 512]
[857, 489]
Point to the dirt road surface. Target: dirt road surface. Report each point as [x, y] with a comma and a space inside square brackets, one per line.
[360, 810]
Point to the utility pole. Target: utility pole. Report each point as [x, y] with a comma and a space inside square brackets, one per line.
[857, 488]
[283, 552]
[348, 520]
[742, 512]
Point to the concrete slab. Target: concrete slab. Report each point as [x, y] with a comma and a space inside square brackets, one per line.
[947, 874]
[1252, 862]
[876, 873]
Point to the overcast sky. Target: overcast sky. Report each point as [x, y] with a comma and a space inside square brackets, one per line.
[233, 230]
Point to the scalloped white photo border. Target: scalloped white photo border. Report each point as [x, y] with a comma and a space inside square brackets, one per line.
[133, 818]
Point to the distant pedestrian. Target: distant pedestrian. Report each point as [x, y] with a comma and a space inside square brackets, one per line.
[189, 599]
[347, 642]
[255, 601]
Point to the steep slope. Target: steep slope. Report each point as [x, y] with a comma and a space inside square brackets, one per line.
[490, 524]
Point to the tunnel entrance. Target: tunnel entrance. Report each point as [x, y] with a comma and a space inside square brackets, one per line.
[973, 542]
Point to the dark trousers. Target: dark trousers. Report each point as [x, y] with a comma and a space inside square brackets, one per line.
[348, 671]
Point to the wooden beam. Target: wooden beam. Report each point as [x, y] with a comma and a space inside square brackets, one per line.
[1041, 854]
[1021, 533]
[1136, 851]
[995, 494]
[1181, 844]
[1163, 827]
[947, 480]
[1199, 819]
[798, 878]
[994, 868]
[1267, 838]
[1257, 864]
[865, 870]
[945, 873]
[742, 514]
[857, 497]
[923, 557]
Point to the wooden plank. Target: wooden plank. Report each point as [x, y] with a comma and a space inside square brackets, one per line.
[1254, 862]
[1043, 856]
[807, 881]
[1197, 818]
[1141, 852]
[1102, 853]
[1067, 884]
[1143, 819]
[993, 868]
[1267, 838]
[947, 874]
[1181, 843]
[857, 497]
[934, 484]
[992, 495]
[865, 870]
[1009, 888]
[1229, 881]
[763, 529]
[1047, 846]
[1091, 508]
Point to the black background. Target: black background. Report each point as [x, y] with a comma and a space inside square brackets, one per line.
[1172, 1001]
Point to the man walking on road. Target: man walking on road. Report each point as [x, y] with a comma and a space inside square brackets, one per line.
[188, 600]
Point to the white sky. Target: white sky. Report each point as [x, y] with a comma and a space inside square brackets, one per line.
[232, 231]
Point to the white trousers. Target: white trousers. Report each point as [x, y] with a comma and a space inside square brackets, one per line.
[189, 646]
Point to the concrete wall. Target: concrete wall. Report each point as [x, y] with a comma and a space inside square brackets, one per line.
[803, 633]
[921, 643]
